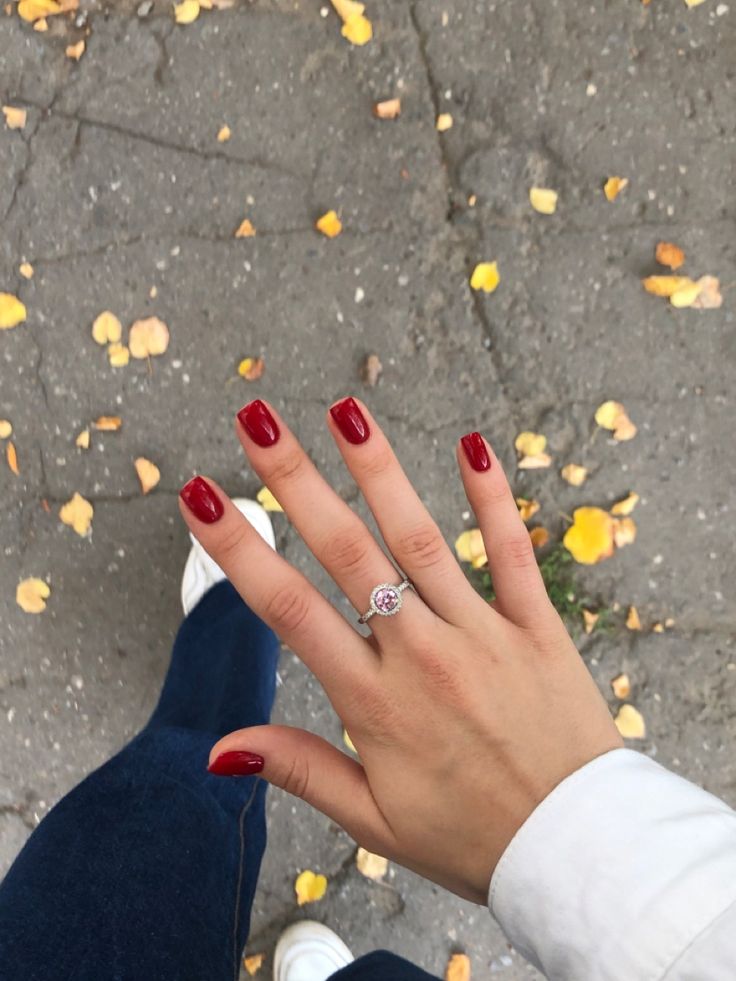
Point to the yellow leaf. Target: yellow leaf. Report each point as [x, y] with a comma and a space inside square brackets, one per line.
[253, 963]
[709, 297]
[31, 10]
[444, 122]
[12, 311]
[590, 619]
[119, 355]
[665, 285]
[41, 25]
[485, 277]
[574, 474]
[371, 866]
[621, 686]
[309, 887]
[358, 30]
[75, 51]
[530, 444]
[543, 200]
[694, 3]
[77, 513]
[613, 187]
[26, 270]
[348, 8]
[632, 622]
[613, 416]
[82, 440]
[245, 229]
[186, 11]
[15, 118]
[539, 536]
[11, 455]
[630, 723]
[107, 329]
[148, 338]
[329, 224]
[624, 531]
[349, 742]
[31, 595]
[590, 538]
[528, 507]
[626, 506]
[6, 428]
[686, 295]
[657, 628]
[148, 473]
[458, 968]
[668, 254]
[251, 368]
[267, 501]
[469, 547]
[108, 424]
[536, 462]
[388, 109]
[224, 134]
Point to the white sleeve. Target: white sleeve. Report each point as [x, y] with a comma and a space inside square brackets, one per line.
[624, 871]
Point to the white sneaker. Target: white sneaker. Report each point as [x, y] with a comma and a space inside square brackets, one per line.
[201, 572]
[309, 951]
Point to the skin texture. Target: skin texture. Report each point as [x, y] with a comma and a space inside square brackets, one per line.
[465, 715]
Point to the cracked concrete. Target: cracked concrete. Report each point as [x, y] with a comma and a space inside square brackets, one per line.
[119, 194]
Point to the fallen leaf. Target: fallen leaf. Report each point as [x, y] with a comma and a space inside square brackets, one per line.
[668, 254]
[630, 723]
[613, 187]
[6, 428]
[694, 3]
[665, 285]
[669, 622]
[590, 619]
[355, 25]
[574, 474]
[82, 440]
[251, 368]
[329, 224]
[388, 109]
[186, 12]
[108, 424]
[119, 355]
[78, 514]
[685, 296]
[371, 866]
[709, 297]
[621, 686]
[371, 370]
[485, 277]
[31, 10]
[148, 338]
[75, 51]
[590, 537]
[41, 25]
[309, 887]
[458, 968]
[613, 416]
[444, 122]
[253, 963]
[15, 118]
[528, 507]
[11, 455]
[267, 501]
[530, 444]
[349, 742]
[539, 536]
[632, 622]
[245, 229]
[626, 506]
[543, 200]
[624, 531]
[26, 270]
[31, 595]
[107, 329]
[538, 461]
[469, 547]
[12, 311]
[657, 628]
[224, 134]
[148, 473]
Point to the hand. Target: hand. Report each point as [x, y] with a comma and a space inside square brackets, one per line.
[465, 714]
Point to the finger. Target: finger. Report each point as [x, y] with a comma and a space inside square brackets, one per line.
[517, 581]
[308, 767]
[407, 527]
[276, 591]
[338, 538]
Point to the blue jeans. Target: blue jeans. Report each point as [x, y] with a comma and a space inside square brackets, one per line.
[147, 870]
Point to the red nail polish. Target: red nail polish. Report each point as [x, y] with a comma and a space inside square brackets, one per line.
[202, 501]
[476, 452]
[351, 421]
[258, 423]
[238, 763]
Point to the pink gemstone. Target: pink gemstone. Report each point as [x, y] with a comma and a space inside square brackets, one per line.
[386, 599]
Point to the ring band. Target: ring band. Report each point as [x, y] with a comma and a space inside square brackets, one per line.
[386, 600]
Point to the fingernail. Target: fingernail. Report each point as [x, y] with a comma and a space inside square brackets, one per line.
[258, 423]
[202, 501]
[350, 420]
[476, 452]
[238, 763]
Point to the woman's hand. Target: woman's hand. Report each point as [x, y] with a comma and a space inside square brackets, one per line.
[465, 715]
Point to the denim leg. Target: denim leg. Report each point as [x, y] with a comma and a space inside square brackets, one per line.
[146, 871]
[380, 965]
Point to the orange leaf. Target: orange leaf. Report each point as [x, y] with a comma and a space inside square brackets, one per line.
[12, 457]
[388, 109]
[670, 255]
[108, 424]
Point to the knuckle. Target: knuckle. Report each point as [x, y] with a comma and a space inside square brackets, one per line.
[232, 542]
[286, 469]
[287, 609]
[517, 552]
[378, 464]
[421, 547]
[346, 551]
[296, 780]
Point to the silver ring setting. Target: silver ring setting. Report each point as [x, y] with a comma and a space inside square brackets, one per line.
[386, 600]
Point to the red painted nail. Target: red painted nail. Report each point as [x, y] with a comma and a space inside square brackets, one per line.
[476, 452]
[202, 501]
[238, 763]
[351, 421]
[258, 423]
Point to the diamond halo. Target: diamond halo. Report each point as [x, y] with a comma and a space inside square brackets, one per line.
[386, 600]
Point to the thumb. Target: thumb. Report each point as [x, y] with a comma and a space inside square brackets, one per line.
[309, 767]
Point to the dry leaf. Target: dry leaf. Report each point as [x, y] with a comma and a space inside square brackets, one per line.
[119, 355]
[107, 329]
[626, 506]
[310, 887]
[329, 224]
[543, 200]
[528, 507]
[26, 270]
[253, 963]
[12, 311]
[444, 122]
[530, 444]
[590, 537]
[469, 547]
[539, 536]
[709, 297]
[485, 277]
[458, 968]
[31, 595]
[590, 619]
[82, 440]
[251, 368]
[31, 10]
[267, 501]
[630, 723]
[388, 109]
[686, 295]
[148, 338]
[245, 229]
[15, 118]
[186, 12]
[11, 455]
[349, 742]
[148, 473]
[41, 25]
[613, 187]
[371, 866]
[613, 416]
[666, 285]
[78, 514]
[6, 428]
[624, 532]
[224, 134]
[75, 51]
[574, 474]
[668, 254]
[632, 622]
[694, 3]
[621, 686]
[657, 628]
[371, 370]
[355, 25]
[539, 461]
[108, 424]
